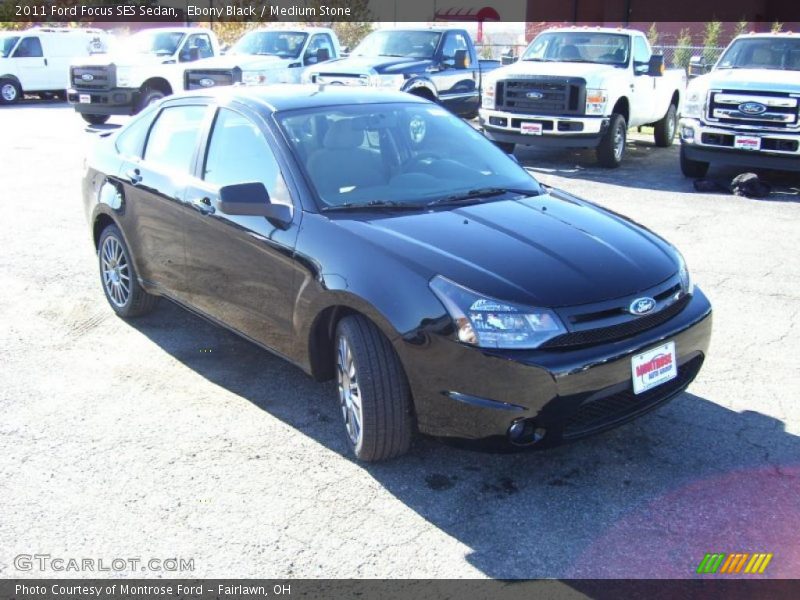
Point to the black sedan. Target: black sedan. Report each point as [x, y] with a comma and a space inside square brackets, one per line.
[373, 237]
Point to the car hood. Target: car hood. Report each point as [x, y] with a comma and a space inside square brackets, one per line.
[380, 64]
[767, 80]
[243, 61]
[550, 250]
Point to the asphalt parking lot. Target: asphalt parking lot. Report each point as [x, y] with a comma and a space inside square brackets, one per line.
[168, 437]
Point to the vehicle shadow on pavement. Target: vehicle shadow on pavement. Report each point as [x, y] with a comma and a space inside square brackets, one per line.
[646, 500]
[648, 167]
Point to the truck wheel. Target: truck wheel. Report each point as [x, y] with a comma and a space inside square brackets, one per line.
[692, 168]
[10, 92]
[507, 147]
[373, 391]
[95, 119]
[149, 96]
[612, 144]
[118, 277]
[665, 128]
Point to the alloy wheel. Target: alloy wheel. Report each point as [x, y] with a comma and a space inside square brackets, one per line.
[349, 391]
[619, 142]
[9, 92]
[116, 272]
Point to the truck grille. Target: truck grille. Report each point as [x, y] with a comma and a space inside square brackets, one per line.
[755, 109]
[542, 96]
[341, 78]
[93, 78]
[199, 79]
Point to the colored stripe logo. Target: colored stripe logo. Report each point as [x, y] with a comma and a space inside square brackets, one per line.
[739, 562]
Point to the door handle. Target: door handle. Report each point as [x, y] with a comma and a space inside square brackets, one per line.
[134, 176]
[203, 206]
[45, 62]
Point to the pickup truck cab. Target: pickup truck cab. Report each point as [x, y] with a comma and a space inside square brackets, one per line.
[438, 64]
[583, 87]
[144, 68]
[37, 60]
[266, 56]
[745, 111]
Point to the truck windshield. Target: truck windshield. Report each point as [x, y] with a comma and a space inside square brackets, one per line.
[7, 43]
[413, 44]
[286, 44]
[160, 43]
[762, 53]
[580, 46]
[399, 155]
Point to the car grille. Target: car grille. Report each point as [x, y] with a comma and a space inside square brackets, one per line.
[780, 112]
[93, 78]
[632, 326]
[612, 410]
[199, 79]
[542, 96]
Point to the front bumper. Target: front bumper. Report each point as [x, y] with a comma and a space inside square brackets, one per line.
[466, 393]
[708, 143]
[566, 132]
[118, 101]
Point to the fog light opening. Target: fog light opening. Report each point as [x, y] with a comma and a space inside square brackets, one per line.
[687, 133]
[524, 432]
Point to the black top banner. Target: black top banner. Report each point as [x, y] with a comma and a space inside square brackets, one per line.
[598, 12]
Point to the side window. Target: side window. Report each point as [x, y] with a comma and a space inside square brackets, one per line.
[641, 53]
[173, 138]
[321, 41]
[238, 153]
[198, 45]
[452, 43]
[130, 140]
[29, 47]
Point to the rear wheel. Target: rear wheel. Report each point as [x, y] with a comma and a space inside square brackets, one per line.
[10, 92]
[95, 119]
[118, 276]
[692, 168]
[664, 130]
[374, 396]
[612, 144]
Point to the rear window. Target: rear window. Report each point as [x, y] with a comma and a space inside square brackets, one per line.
[173, 138]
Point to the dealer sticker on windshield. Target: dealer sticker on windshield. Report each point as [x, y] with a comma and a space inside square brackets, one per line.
[746, 142]
[654, 367]
[531, 128]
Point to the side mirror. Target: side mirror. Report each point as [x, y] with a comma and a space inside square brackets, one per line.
[252, 199]
[655, 67]
[697, 66]
[189, 55]
[323, 54]
[508, 60]
[461, 59]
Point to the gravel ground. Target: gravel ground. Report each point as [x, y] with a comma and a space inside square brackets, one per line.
[170, 438]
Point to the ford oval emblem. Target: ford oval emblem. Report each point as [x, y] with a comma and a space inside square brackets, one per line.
[642, 306]
[752, 108]
[87, 77]
[534, 95]
[206, 82]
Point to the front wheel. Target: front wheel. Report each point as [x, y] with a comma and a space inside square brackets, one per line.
[149, 97]
[10, 92]
[95, 119]
[664, 130]
[692, 168]
[374, 396]
[118, 276]
[612, 144]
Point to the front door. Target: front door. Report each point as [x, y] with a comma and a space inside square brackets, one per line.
[32, 65]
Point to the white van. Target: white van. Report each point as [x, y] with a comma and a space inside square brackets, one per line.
[37, 60]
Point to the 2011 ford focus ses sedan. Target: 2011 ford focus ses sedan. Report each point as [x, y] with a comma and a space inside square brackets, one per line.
[373, 237]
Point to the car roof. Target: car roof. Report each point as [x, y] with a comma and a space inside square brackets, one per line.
[299, 29]
[591, 29]
[275, 98]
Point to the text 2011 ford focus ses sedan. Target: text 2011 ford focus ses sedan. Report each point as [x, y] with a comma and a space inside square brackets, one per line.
[373, 237]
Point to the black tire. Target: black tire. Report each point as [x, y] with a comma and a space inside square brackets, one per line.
[95, 119]
[611, 151]
[385, 398]
[692, 168]
[137, 301]
[10, 92]
[664, 130]
[507, 147]
[148, 97]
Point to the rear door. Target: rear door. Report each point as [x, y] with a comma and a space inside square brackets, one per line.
[240, 269]
[31, 64]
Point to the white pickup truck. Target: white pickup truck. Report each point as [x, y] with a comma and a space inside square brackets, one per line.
[746, 110]
[583, 87]
[265, 56]
[145, 67]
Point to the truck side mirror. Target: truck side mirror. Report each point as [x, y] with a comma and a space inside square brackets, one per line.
[655, 67]
[508, 60]
[252, 199]
[697, 66]
[189, 55]
[461, 59]
[323, 54]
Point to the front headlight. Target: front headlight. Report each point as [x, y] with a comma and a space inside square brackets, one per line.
[488, 95]
[258, 77]
[124, 77]
[596, 101]
[694, 104]
[388, 81]
[489, 323]
[687, 284]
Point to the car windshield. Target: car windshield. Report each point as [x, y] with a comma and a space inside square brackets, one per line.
[579, 46]
[413, 44]
[160, 43]
[7, 43]
[406, 155]
[762, 53]
[286, 44]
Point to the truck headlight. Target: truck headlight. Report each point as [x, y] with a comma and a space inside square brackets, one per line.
[488, 95]
[596, 101]
[387, 81]
[489, 323]
[694, 104]
[258, 77]
[124, 77]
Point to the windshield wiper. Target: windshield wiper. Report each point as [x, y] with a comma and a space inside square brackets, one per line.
[479, 193]
[371, 205]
